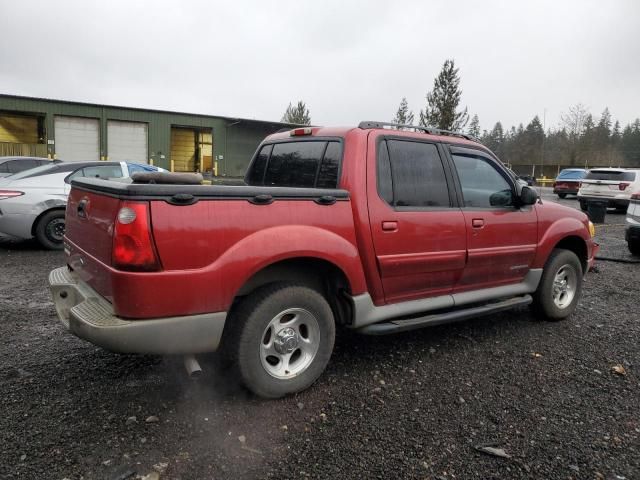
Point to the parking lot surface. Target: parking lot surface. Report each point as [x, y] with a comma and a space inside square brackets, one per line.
[560, 400]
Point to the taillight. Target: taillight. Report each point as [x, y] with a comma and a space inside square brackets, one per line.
[635, 196]
[9, 194]
[133, 247]
[623, 185]
[297, 132]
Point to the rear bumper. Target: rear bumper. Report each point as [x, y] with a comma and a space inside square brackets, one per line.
[611, 202]
[17, 225]
[567, 190]
[89, 316]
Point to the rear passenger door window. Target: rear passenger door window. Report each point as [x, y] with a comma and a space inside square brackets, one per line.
[411, 175]
[482, 185]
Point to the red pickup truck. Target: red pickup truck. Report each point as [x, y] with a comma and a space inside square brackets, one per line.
[374, 228]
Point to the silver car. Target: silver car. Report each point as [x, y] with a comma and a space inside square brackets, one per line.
[32, 203]
[12, 165]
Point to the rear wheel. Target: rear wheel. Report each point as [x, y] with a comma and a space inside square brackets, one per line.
[562, 195]
[280, 339]
[560, 286]
[634, 247]
[583, 205]
[50, 230]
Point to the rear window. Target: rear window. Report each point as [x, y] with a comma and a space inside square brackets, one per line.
[305, 164]
[611, 175]
[571, 175]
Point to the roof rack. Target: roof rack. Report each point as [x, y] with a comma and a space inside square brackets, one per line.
[430, 130]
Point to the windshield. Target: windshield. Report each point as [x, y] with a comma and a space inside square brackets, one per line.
[33, 171]
[616, 176]
[571, 175]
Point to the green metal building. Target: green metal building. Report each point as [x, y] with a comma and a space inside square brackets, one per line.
[182, 142]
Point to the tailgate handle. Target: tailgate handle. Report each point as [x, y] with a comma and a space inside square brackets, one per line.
[477, 223]
[261, 199]
[325, 200]
[182, 199]
[82, 208]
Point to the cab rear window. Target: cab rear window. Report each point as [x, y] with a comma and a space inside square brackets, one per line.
[609, 175]
[305, 164]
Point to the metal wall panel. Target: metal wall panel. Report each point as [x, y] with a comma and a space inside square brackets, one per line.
[77, 139]
[127, 141]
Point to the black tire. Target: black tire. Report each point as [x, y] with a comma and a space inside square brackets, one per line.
[634, 247]
[50, 230]
[562, 195]
[583, 205]
[251, 326]
[544, 303]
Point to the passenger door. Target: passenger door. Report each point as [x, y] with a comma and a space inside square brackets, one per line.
[418, 232]
[501, 235]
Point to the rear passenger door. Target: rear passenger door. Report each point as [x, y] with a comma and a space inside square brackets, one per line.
[418, 232]
[501, 235]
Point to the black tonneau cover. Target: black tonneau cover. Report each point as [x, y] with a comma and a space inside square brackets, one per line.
[187, 194]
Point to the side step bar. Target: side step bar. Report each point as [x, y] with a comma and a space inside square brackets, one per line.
[395, 326]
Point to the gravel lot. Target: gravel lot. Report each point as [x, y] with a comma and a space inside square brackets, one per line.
[415, 405]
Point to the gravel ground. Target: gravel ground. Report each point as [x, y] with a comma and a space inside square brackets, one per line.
[414, 405]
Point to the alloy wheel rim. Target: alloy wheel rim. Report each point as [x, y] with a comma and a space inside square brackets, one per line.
[564, 286]
[289, 343]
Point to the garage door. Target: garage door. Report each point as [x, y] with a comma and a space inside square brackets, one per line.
[183, 149]
[77, 139]
[127, 141]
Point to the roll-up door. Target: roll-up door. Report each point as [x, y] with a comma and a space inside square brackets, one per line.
[183, 149]
[77, 139]
[127, 141]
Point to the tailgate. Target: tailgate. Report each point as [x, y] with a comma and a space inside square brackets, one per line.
[89, 235]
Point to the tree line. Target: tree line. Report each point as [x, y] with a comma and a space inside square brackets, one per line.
[580, 140]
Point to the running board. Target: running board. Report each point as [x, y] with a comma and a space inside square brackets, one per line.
[395, 326]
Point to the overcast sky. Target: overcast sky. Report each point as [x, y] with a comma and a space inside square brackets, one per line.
[349, 61]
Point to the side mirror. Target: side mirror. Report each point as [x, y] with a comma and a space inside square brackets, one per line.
[528, 196]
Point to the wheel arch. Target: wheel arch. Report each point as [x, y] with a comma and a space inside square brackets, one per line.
[576, 245]
[314, 272]
[42, 214]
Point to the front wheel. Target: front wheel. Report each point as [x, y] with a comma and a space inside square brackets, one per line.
[50, 230]
[583, 205]
[280, 339]
[560, 286]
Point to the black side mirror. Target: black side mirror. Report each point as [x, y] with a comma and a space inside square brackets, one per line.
[528, 196]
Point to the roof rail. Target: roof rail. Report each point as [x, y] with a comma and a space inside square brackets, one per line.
[430, 130]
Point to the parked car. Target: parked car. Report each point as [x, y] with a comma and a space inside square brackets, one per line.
[32, 202]
[529, 179]
[568, 181]
[613, 185]
[632, 232]
[12, 165]
[367, 228]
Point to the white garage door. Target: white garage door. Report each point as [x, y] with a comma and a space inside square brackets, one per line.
[127, 141]
[77, 139]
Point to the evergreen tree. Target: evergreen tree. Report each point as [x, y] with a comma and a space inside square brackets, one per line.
[298, 115]
[602, 154]
[474, 127]
[403, 115]
[441, 110]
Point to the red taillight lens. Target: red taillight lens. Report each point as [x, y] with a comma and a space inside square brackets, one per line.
[623, 185]
[635, 196]
[133, 247]
[9, 194]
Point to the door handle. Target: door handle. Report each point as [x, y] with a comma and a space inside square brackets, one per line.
[390, 226]
[477, 222]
